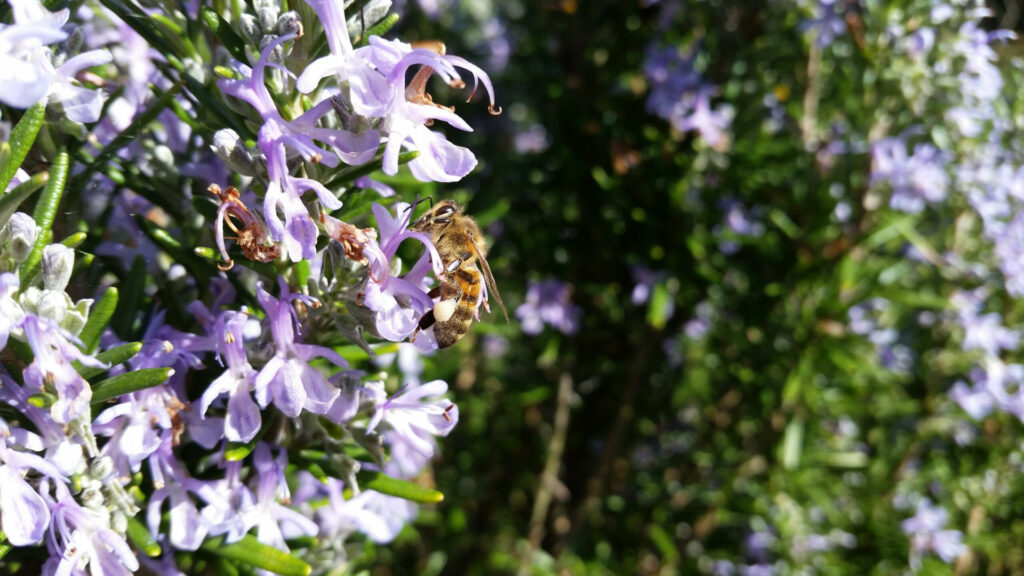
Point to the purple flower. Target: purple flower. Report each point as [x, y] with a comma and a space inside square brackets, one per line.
[378, 516]
[273, 519]
[548, 302]
[915, 180]
[927, 535]
[138, 425]
[711, 125]
[79, 538]
[172, 484]
[243, 420]
[287, 378]
[680, 95]
[27, 74]
[983, 332]
[416, 419]
[532, 140]
[25, 69]
[23, 512]
[645, 280]
[383, 189]
[52, 368]
[397, 301]
[61, 445]
[828, 24]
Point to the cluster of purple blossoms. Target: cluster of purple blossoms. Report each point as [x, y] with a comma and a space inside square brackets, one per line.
[549, 302]
[38, 468]
[69, 462]
[996, 383]
[680, 95]
[367, 91]
[916, 180]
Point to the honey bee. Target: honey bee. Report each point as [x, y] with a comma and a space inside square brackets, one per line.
[461, 246]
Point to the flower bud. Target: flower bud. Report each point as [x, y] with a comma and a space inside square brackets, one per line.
[75, 39]
[267, 12]
[53, 304]
[19, 234]
[58, 261]
[228, 145]
[91, 497]
[76, 316]
[118, 522]
[250, 28]
[289, 23]
[74, 129]
[102, 467]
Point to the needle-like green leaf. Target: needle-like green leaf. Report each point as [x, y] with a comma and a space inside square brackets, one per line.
[45, 212]
[113, 357]
[369, 480]
[20, 142]
[99, 317]
[129, 382]
[251, 551]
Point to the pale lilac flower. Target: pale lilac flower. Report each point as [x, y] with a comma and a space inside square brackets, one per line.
[982, 331]
[828, 23]
[139, 423]
[172, 484]
[11, 313]
[698, 326]
[233, 516]
[548, 302]
[711, 124]
[242, 420]
[272, 518]
[80, 104]
[416, 419]
[978, 402]
[25, 70]
[287, 378]
[63, 447]
[24, 514]
[52, 368]
[916, 180]
[377, 516]
[926, 533]
[671, 76]
[645, 279]
[80, 538]
[397, 301]
[27, 74]
[532, 140]
[381, 188]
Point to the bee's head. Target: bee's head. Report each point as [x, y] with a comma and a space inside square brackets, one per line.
[438, 217]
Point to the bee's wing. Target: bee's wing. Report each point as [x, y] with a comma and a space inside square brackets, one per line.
[492, 288]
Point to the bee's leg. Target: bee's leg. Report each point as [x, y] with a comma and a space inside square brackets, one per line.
[434, 292]
[427, 320]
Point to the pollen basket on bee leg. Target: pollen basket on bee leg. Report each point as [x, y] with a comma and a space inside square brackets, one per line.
[444, 310]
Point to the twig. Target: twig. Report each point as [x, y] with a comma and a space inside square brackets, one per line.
[549, 477]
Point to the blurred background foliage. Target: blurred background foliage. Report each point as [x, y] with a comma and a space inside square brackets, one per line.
[734, 420]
